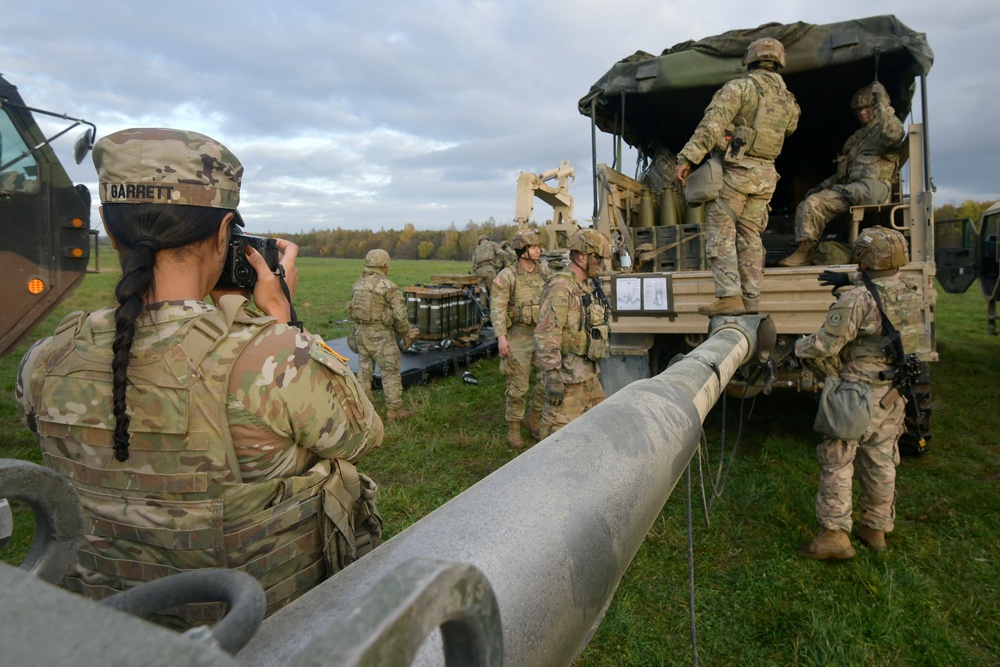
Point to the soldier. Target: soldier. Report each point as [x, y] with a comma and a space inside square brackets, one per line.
[378, 307]
[514, 304]
[509, 254]
[851, 339]
[194, 434]
[865, 168]
[759, 112]
[571, 336]
[486, 261]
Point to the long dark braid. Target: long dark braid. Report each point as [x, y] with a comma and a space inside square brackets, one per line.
[141, 231]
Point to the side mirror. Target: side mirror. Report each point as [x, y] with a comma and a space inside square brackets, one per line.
[83, 145]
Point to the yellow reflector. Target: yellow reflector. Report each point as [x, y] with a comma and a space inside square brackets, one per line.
[77, 252]
[36, 286]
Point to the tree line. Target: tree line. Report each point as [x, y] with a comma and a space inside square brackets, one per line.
[408, 243]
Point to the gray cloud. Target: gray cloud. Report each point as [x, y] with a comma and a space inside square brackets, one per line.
[380, 114]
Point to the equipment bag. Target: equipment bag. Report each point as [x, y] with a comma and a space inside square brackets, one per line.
[845, 409]
[704, 184]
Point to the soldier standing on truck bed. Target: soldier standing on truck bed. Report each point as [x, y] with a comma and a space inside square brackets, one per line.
[759, 112]
[865, 168]
[378, 307]
[571, 336]
[515, 297]
[850, 350]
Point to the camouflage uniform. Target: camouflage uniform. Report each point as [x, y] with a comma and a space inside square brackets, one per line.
[244, 432]
[564, 343]
[509, 255]
[514, 308]
[377, 305]
[865, 168]
[734, 248]
[853, 331]
[487, 259]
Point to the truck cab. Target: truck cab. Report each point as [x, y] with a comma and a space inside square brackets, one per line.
[44, 218]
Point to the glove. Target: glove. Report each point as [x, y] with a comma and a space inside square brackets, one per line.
[555, 390]
[834, 279]
[878, 92]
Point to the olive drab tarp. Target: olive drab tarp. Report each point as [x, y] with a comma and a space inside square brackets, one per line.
[666, 95]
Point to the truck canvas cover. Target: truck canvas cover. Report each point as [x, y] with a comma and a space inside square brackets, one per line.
[662, 98]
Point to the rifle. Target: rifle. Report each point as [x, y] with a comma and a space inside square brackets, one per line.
[905, 371]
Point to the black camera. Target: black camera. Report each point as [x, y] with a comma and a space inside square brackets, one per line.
[238, 273]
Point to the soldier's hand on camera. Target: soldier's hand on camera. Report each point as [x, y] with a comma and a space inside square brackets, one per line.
[555, 390]
[834, 279]
[268, 295]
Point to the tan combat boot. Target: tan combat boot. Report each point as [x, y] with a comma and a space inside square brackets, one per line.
[727, 305]
[397, 414]
[829, 544]
[802, 255]
[873, 538]
[514, 435]
[530, 422]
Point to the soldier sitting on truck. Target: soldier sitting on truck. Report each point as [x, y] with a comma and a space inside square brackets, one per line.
[198, 436]
[865, 168]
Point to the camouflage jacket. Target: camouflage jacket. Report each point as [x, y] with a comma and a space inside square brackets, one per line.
[238, 427]
[377, 300]
[488, 253]
[853, 331]
[572, 330]
[759, 98]
[515, 297]
[871, 152]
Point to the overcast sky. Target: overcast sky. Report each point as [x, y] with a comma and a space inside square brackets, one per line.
[374, 114]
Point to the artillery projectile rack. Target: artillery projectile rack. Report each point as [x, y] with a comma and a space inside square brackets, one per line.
[448, 309]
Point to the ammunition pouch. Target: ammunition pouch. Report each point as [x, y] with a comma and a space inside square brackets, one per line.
[353, 526]
[352, 340]
[599, 346]
[845, 409]
[742, 141]
[704, 184]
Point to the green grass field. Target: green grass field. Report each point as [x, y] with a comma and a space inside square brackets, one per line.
[932, 599]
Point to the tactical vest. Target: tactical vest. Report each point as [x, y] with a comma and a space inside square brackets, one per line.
[368, 302]
[588, 336]
[774, 112]
[902, 306]
[179, 503]
[485, 254]
[525, 299]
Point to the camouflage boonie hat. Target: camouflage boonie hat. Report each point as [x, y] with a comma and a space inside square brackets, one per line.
[162, 166]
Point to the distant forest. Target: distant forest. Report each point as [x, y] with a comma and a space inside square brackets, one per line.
[459, 244]
[408, 243]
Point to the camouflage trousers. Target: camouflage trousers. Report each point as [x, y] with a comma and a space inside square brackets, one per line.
[377, 345]
[488, 272]
[875, 456]
[815, 211]
[517, 369]
[733, 247]
[580, 397]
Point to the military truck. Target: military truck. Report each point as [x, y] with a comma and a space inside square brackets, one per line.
[964, 253]
[659, 275]
[45, 232]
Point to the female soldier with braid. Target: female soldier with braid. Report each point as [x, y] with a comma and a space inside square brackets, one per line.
[197, 435]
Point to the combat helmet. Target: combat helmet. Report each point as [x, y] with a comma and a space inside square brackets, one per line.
[765, 49]
[868, 96]
[880, 248]
[590, 242]
[377, 259]
[482, 237]
[525, 238]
